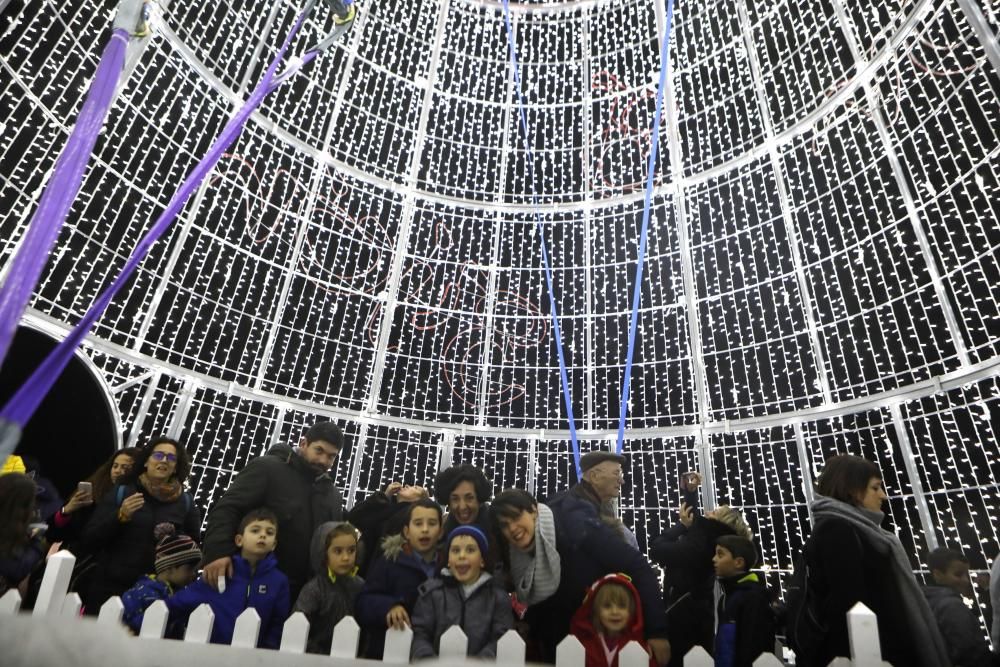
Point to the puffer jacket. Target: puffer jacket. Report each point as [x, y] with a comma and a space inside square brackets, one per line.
[136, 600]
[483, 612]
[326, 599]
[393, 579]
[959, 628]
[286, 484]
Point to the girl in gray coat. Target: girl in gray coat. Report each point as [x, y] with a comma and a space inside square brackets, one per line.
[330, 595]
[466, 595]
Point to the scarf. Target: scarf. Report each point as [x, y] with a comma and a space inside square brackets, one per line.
[536, 575]
[166, 492]
[918, 614]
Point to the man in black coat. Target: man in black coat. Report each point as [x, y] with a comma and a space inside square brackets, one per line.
[292, 482]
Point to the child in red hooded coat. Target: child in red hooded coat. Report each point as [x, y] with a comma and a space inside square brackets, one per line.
[610, 618]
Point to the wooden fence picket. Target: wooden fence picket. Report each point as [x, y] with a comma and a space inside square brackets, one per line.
[154, 620]
[397, 646]
[295, 633]
[71, 606]
[454, 644]
[247, 629]
[633, 655]
[698, 657]
[570, 652]
[10, 603]
[346, 635]
[200, 624]
[55, 584]
[510, 650]
[111, 612]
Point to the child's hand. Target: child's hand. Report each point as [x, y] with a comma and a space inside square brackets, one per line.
[687, 515]
[397, 618]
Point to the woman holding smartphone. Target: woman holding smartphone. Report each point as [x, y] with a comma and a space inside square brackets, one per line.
[67, 524]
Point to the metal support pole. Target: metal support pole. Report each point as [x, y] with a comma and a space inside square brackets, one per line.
[532, 467]
[805, 293]
[805, 464]
[446, 450]
[355, 474]
[910, 462]
[913, 214]
[185, 398]
[588, 233]
[987, 37]
[707, 469]
[140, 415]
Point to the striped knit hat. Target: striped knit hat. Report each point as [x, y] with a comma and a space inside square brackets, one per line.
[173, 549]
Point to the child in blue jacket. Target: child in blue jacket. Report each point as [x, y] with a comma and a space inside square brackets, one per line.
[177, 558]
[256, 582]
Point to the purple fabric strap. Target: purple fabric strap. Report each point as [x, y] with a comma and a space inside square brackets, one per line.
[24, 403]
[61, 191]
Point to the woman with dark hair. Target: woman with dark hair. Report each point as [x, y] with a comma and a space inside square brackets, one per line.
[67, 524]
[21, 549]
[121, 529]
[555, 554]
[852, 559]
[466, 492]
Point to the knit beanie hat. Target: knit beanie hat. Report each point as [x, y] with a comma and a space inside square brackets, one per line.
[475, 533]
[173, 549]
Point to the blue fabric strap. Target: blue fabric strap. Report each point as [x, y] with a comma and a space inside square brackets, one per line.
[650, 173]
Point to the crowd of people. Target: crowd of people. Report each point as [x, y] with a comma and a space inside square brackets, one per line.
[280, 541]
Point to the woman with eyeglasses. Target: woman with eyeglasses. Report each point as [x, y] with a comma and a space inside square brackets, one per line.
[121, 530]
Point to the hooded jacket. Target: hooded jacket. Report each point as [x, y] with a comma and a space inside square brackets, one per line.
[286, 484]
[746, 622]
[393, 579]
[602, 651]
[326, 598]
[265, 589]
[959, 628]
[483, 612]
[589, 548]
[136, 600]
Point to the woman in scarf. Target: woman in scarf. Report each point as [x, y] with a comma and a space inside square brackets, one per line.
[553, 557]
[121, 530]
[853, 559]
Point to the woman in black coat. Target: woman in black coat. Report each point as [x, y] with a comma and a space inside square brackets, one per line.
[853, 559]
[121, 530]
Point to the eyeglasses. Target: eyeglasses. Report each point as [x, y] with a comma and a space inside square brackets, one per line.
[159, 456]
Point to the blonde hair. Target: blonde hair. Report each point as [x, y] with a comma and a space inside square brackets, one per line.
[613, 593]
[734, 520]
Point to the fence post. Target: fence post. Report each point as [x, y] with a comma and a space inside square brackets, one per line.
[295, 633]
[633, 655]
[570, 652]
[10, 603]
[767, 660]
[510, 650]
[200, 624]
[246, 629]
[154, 621]
[840, 662]
[71, 605]
[397, 646]
[55, 584]
[345, 639]
[454, 644]
[862, 627]
[111, 612]
[698, 657]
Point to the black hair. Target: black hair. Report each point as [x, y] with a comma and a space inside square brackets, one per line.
[449, 478]
[17, 508]
[346, 528]
[510, 505]
[181, 470]
[942, 557]
[259, 514]
[739, 547]
[845, 477]
[328, 432]
[100, 479]
[426, 503]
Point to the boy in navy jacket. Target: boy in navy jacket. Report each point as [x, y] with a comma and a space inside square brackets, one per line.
[746, 622]
[256, 582]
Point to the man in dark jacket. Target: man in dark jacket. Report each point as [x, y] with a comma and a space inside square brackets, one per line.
[959, 627]
[292, 482]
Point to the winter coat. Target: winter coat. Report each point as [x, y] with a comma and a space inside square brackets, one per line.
[137, 599]
[286, 484]
[590, 548]
[326, 598]
[15, 567]
[848, 567]
[394, 578]
[265, 589]
[959, 628]
[689, 581]
[483, 612]
[599, 646]
[127, 550]
[746, 622]
[377, 516]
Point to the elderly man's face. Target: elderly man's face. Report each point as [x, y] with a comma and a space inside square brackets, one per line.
[606, 478]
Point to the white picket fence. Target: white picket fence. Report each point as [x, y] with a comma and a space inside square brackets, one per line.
[54, 604]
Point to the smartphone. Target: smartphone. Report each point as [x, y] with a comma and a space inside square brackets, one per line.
[84, 487]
